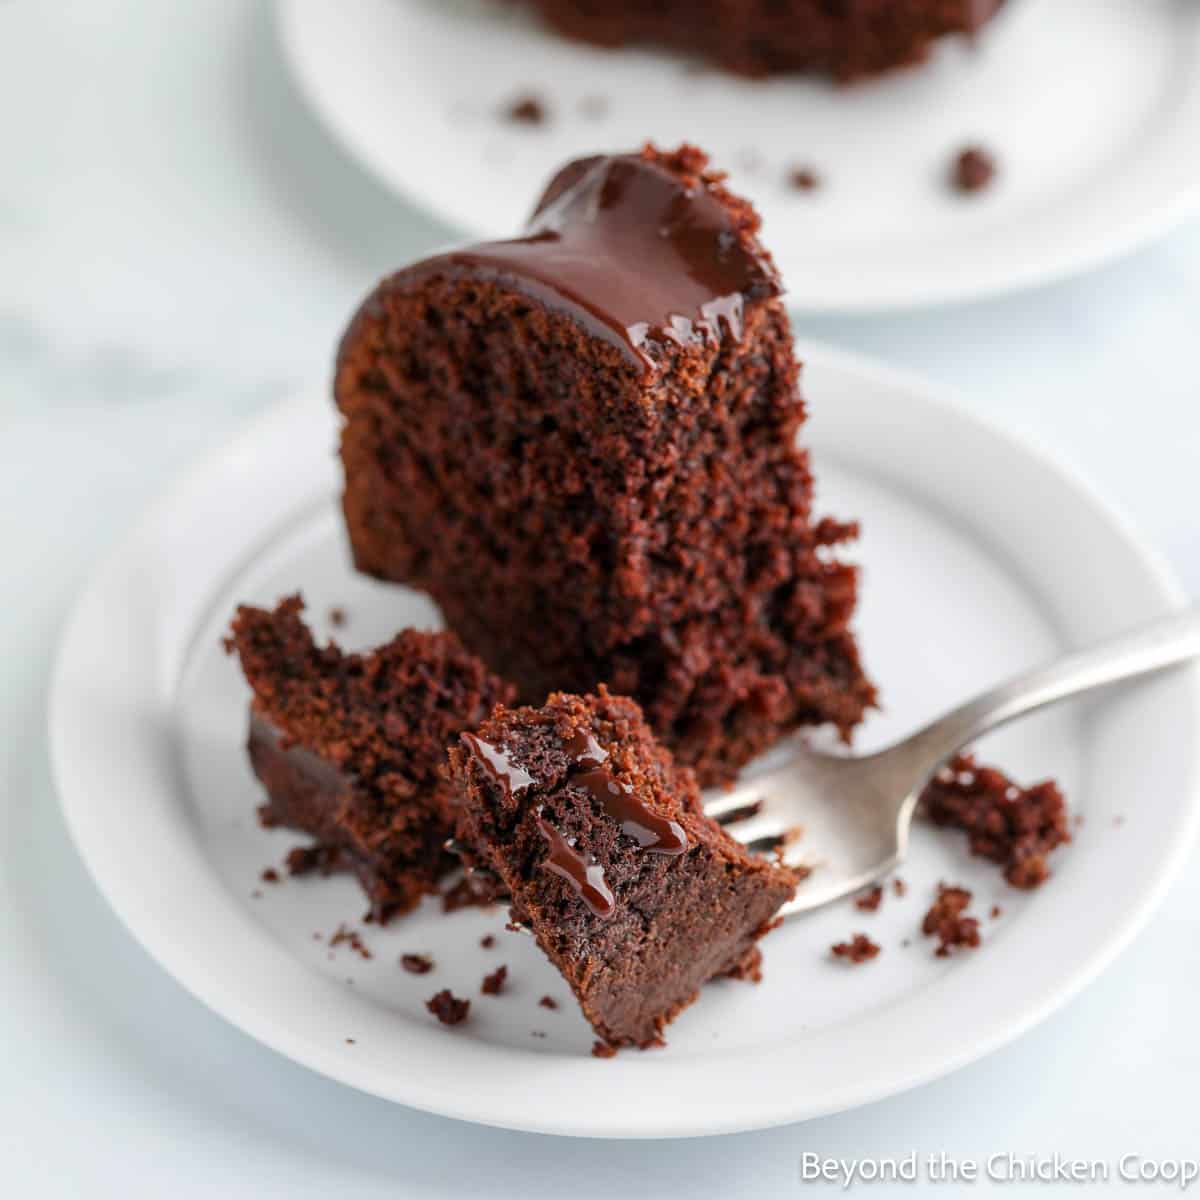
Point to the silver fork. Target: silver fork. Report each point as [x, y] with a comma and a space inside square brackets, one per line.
[855, 812]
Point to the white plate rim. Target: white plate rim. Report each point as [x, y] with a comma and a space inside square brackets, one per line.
[1067, 259]
[196, 977]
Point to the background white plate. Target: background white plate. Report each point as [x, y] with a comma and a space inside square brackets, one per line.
[981, 556]
[1092, 107]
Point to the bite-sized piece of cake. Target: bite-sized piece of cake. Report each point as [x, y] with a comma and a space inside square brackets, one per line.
[635, 896]
[845, 38]
[1013, 826]
[351, 748]
[582, 444]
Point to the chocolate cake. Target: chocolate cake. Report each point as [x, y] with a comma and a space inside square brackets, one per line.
[351, 747]
[582, 443]
[634, 895]
[844, 38]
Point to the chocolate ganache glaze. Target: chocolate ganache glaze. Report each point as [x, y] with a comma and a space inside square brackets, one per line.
[653, 833]
[659, 835]
[586, 878]
[630, 251]
[498, 766]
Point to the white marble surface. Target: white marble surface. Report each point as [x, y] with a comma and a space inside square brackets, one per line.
[179, 244]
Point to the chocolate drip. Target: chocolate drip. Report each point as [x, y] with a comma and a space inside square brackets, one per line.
[658, 835]
[586, 879]
[498, 766]
[626, 248]
[585, 750]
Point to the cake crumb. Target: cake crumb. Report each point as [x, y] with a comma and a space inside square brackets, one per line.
[946, 921]
[870, 900]
[537, 1033]
[974, 169]
[548, 1002]
[899, 886]
[487, 941]
[493, 984]
[349, 1041]
[996, 912]
[1014, 827]
[416, 964]
[303, 860]
[345, 935]
[527, 109]
[803, 179]
[270, 875]
[448, 1008]
[603, 1050]
[337, 617]
[859, 949]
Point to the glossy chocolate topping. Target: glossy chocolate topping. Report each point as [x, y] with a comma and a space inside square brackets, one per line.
[660, 835]
[586, 878]
[585, 750]
[498, 766]
[626, 248]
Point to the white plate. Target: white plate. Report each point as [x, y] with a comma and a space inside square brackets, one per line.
[1092, 107]
[981, 556]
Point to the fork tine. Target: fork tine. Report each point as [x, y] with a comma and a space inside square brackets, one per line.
[762, 827]
[728, 805]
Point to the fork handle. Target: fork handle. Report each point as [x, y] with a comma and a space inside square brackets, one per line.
[1149, 648]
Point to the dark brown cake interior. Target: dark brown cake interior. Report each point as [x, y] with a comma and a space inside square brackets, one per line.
[848, 39]
[581, 443]
[351, 747]
[634, 895]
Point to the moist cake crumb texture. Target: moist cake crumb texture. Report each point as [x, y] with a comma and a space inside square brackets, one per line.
[1012, 826]
[581, 443]
[350, 747]
[599, 839]
[848, 39]
[947, 921]
[416, 964]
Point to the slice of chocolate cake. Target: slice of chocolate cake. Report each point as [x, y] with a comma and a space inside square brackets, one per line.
[635, 896]
[845, 38]
[582, 444]
[351, 748]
